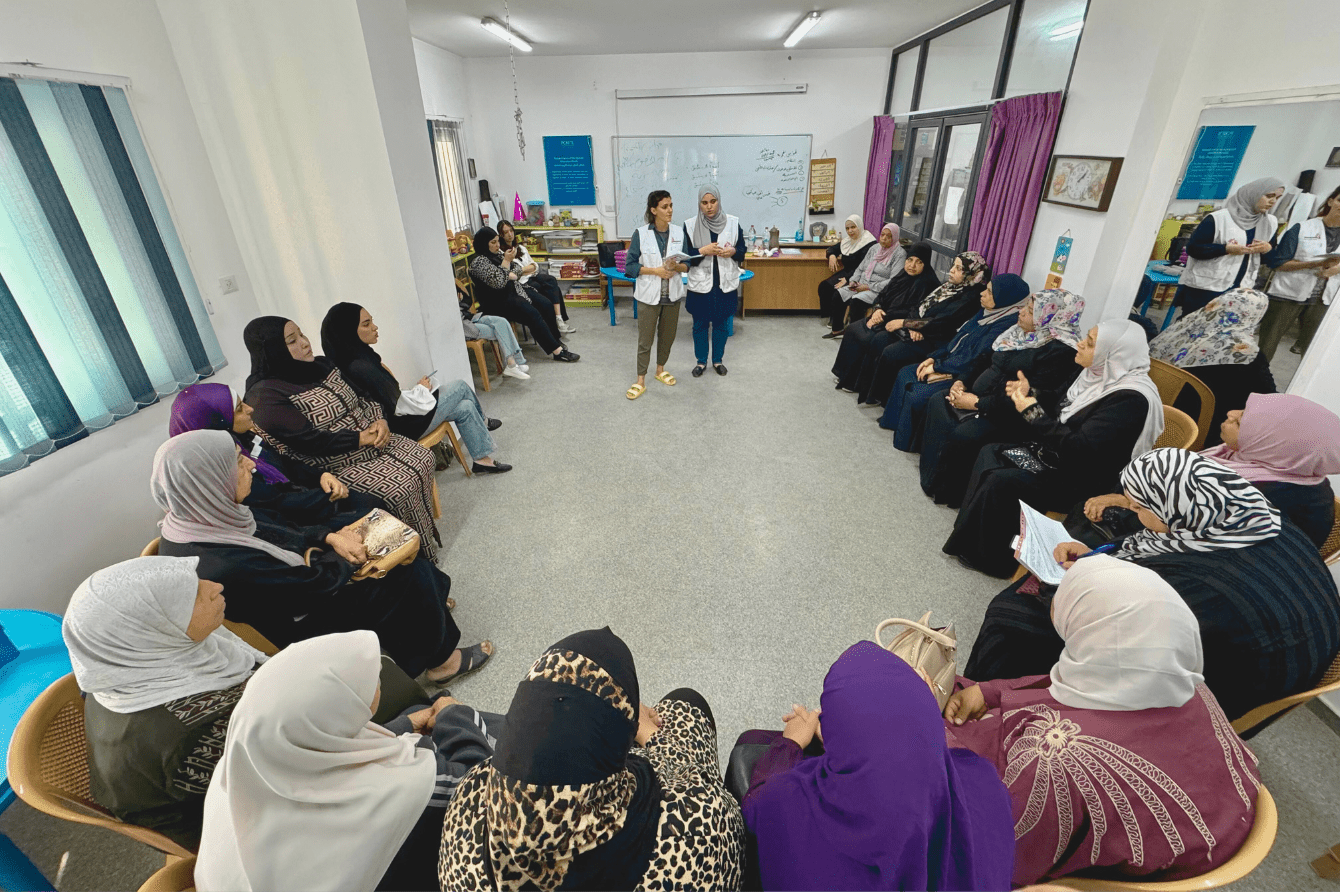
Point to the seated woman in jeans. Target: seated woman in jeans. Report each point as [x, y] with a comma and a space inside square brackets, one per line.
[347, 336]
[494, 328]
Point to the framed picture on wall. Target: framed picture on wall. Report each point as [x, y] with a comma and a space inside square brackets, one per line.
[1081, 181]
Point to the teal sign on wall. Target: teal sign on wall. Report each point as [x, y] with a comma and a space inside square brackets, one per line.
[568, 168]
[1214, 162]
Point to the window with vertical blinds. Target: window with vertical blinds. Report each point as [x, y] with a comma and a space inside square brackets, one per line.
[99, 312]
[449, 158]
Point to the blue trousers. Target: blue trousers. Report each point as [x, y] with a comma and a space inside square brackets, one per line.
[456, 402]
[712, 313]
[905, 413]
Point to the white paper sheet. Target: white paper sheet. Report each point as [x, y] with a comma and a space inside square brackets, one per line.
[1036, 544]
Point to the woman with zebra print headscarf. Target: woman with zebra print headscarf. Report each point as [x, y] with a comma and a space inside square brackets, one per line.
[1268, 608]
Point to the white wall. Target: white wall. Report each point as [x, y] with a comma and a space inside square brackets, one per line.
[88, 505]
[575, 95]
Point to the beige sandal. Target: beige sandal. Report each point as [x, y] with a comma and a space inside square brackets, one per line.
[635, 391]
[665, 378]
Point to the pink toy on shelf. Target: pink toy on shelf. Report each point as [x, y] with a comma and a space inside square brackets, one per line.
[518, 212]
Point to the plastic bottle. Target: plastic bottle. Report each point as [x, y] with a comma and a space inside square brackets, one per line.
[753, 239]
[800, 230]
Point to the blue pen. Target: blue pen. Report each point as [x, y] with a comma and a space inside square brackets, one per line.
[1099, 551]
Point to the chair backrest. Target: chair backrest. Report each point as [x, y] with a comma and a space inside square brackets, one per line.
[1179, 430]
[1251, 854]
[177, 875]
[48, 766]
[1251, 721]
[1170, 380]
[152, 548]
[1330, 550]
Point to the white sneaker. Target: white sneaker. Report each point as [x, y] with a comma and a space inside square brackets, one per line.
[565, 328]
[524, 367]
[515, 372]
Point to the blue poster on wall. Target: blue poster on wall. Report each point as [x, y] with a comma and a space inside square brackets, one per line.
[1215, 161]
[568, 168]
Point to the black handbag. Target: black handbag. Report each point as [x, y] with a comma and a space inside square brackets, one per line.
[605, 252]
[1032, 457]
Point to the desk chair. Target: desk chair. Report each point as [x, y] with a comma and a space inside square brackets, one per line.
[1251, 854]
[477, 345]
[432, 439]
[48, 766]
[179, 875]
[244, 631]
[1170, 380]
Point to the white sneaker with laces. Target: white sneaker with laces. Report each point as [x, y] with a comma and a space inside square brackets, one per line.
[524, 367]
[565, 328]
[515, 372]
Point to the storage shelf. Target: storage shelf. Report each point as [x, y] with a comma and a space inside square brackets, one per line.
[552, 226]
[562, 253]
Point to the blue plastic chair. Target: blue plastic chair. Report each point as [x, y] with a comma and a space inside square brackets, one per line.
[32, 656]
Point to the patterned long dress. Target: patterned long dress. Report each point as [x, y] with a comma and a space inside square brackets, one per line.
[1159, 794]
[401, 472]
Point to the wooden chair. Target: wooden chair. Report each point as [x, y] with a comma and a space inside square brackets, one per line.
[48, 767]
[1179, 430]
[477, 345]
[1255, 720]
[244, 631]
[1251, 854]
[1330, 550]
[1171, 381]
[432, 439]
[178, 875]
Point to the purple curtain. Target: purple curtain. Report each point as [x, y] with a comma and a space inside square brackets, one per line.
[877, 173]
[1009, 186]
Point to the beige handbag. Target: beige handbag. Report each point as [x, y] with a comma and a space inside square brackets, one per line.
[931, 652]
[390, 543]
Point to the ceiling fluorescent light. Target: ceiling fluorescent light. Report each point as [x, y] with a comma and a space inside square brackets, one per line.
[801, 29]
[1063, 31]
[498, 29]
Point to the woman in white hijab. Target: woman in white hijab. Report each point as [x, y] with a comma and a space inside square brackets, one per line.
[312, 795]
[1120, 762]
[1110, 414]
[1225, 250]
[146, 643]
[843, 259]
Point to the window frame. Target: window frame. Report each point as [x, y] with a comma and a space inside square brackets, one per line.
[470, 221]
[897, 205]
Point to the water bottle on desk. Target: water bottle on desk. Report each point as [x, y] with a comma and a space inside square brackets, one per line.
[753, 239]
[800, 230]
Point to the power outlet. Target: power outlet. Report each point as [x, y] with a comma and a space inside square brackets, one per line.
[227, 285]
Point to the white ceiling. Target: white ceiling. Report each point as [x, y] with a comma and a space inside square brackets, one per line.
[600, 27]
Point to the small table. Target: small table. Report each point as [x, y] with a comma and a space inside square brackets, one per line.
[612, 273]
[1152, 280]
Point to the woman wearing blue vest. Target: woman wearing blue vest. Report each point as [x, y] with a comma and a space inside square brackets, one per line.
[655, 258]
[714, 278]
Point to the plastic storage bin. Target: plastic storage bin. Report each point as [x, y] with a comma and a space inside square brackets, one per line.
[563, 241]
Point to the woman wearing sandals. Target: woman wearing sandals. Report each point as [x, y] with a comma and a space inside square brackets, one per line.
[714, 280]
[654, 263]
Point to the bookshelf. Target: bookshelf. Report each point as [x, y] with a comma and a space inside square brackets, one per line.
[591, 235]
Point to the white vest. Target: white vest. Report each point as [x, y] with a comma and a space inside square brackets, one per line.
[647, 288]
[1297, 285]
[700, 277]
[1217, 274]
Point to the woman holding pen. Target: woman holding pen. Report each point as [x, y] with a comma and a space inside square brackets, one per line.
[655, 260]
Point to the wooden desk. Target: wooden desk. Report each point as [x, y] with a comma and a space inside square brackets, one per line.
[789, 282]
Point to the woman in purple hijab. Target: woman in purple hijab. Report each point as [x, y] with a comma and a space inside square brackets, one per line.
[888, 805]
[303, 495]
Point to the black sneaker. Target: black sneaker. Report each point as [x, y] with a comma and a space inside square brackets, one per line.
[495, 468]
[567, 356]
[495, 424]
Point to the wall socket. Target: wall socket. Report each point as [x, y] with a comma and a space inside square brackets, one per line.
[227, 285]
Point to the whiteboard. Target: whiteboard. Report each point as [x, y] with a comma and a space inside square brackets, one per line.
[764, 180]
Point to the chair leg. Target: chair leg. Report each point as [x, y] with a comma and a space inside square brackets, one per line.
[458, 448]
[437, 501]
[478, 347]
[497, 356]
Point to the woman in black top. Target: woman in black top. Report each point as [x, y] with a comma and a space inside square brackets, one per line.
[542, 289]
[1267, 606]
[863, 340]
[926, 327]
[200, 479]
[973, 414]
[1111, 414]
[347, 336]
[843, 259]
[500, 293]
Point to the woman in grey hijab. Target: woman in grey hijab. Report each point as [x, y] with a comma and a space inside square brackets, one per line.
[714, 278]
[1225, 250]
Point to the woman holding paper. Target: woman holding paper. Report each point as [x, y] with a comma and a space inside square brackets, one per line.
[656, 257]
[714, 279]
[1110, 414]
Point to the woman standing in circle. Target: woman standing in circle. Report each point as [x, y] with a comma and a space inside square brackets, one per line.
[1225, 249]
[714, 279]
[654, 263]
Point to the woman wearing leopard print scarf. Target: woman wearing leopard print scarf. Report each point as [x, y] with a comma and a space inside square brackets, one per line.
[590, 790]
